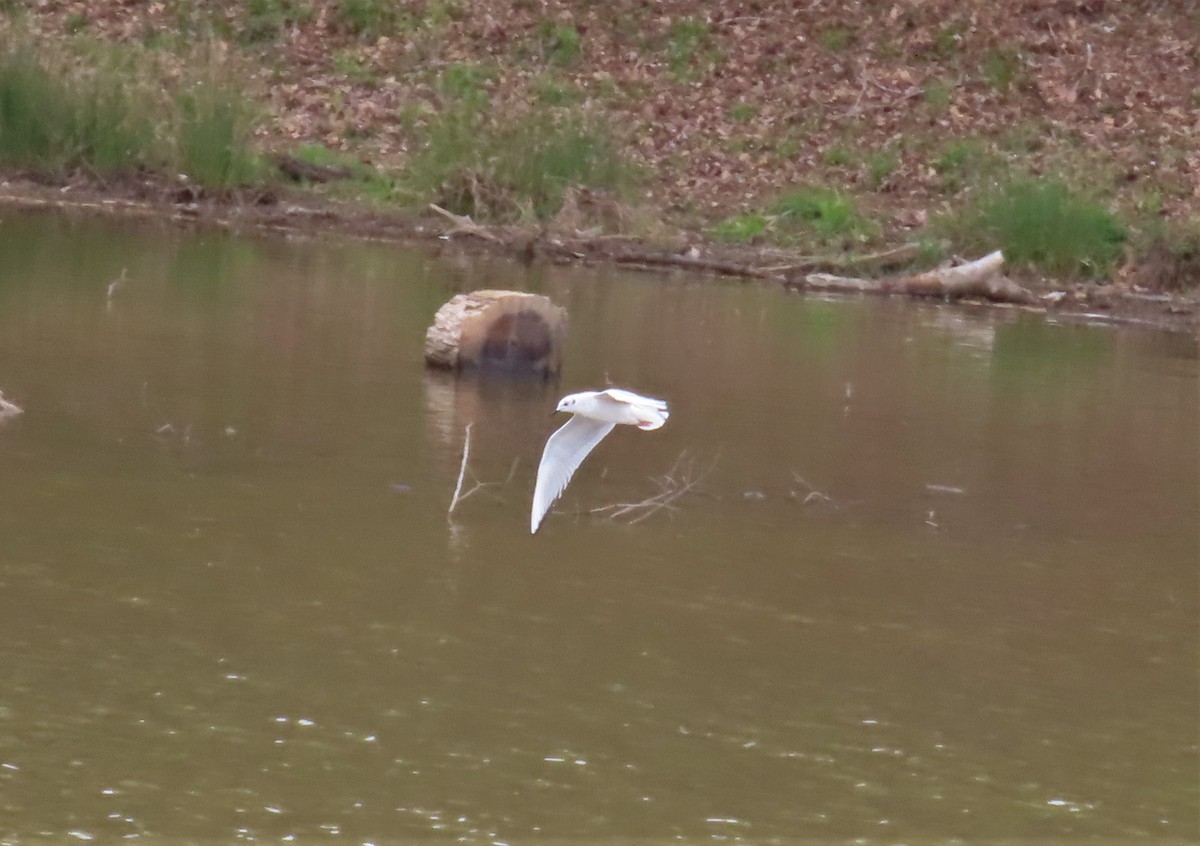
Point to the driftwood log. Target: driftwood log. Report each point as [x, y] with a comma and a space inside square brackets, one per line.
[509, 331]
[980, 279]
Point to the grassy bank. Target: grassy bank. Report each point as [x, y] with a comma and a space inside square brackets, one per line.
[102, 110]
[935, 129]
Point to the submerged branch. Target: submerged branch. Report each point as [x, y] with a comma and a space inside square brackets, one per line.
[680, 480]
[813, 494]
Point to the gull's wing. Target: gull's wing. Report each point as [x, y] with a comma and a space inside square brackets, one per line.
[565, 451]
[621, 395]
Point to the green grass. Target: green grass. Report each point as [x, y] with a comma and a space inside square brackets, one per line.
[550, 154]
[319, 154]
[554, 92]
[1044, 225]
[812, 216]
[881, 165]
[364, 183]
[113, 131]
[824, 211]
[373, 17]
[103, 110]
[561, 45]
[356, 68]
[743, 112]
[1171, 255]
[213, 137]
[35, 114]
[963, 162]
[937, 95]
[689, 49]
[266, 19]
[76, 22]
[955, 157]
[466, 82]
[836, 38]
[1026, 136]
[947, 41]
[1148, 201]
[838, 156]
[52, 123]
[1000, 68]
[740, 228]
[508, 167]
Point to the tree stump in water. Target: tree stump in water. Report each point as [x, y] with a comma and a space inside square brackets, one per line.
[508, 331]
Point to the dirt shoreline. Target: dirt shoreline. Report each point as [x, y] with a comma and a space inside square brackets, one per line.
[295, 213]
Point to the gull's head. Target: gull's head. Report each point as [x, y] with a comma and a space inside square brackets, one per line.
[568, 403]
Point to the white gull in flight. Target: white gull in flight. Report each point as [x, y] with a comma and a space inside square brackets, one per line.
[593, 415]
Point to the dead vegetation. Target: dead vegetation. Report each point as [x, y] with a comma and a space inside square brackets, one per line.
[980, 279]
[464, 471]
[682, 479]
[726, 104]
[811, 496]
[679, 481]
[680, 134]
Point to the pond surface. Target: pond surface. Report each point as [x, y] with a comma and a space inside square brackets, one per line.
[232, 605]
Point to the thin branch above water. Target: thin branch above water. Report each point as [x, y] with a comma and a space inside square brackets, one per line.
[462, 471]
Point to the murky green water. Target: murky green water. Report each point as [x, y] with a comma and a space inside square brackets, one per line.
[232, 604]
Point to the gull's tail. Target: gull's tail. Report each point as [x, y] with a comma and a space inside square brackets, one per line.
[654, 419]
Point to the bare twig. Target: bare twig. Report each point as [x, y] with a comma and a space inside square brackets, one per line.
[462, 468]
[115, 284]
[464, 471]
[675, 483]
[464, 224]
[478, 486]
[853, 110]
[910, 93]
[813, 495]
